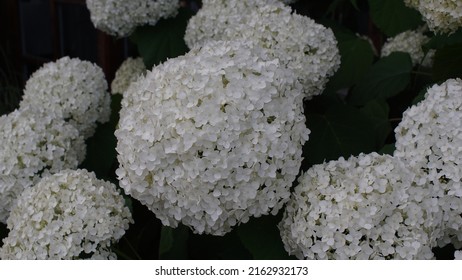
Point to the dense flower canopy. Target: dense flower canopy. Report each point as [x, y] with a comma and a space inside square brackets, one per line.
[120, 17]
[365, 207]
[442, 16]
[71, 89]
[212, 138]
[68, 215]
[33, 144]
[301, 45]
[130, 70]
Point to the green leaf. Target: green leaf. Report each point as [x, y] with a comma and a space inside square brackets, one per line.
[388, 149]
[333, 6]
[209, 247]
[342, 131]
[448, 63]
[420, 96]
[164, 40]
[386, 78]
[101, 147]
[393, 17]
[339, 5]
[356, 58]
[262, 238]
[173, 243]
[442, 40]
[377, 111]
[355, 4]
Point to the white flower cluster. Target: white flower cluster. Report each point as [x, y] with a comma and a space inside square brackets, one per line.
[121, 17]
[365, 207]
[372, 206]
[61, 103]
[212, 138]
[429, 139]
[33, 144]
[458, 255]
[307, 48]
[129, 71]
[443, 16]
[410, 42]
[68, 215]
[71, 89]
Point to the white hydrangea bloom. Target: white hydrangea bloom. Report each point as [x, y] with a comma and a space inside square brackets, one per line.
[212, 138]
[33, 144]
[72, 89]
[410, 42]
[429, 139]
[443, 16]
[361, 208]
[68, 215]
[129, 71]
[302, 45]
[458, 255]
[121, 17]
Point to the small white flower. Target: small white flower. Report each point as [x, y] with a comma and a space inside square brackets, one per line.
[121, 17]
[32, 145]
[212, 138]
[410, 42]
[429, 140]
[458, 255]
[68, 215]
[360, 208]
[443, 16]
[297, 41]
[130, 70]
[70, 89]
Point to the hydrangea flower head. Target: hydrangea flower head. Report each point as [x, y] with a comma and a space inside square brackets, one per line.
[212, 138]
[458, 255]
[429, 140]
[130, 70]
[298, 42]
[443, 16]
[33, 144]
[359, 208]
[68, 215]
[410, 42]
[121, 17]
[72, 89]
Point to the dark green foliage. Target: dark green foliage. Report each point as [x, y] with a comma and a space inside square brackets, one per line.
[356, 58]
[341, 131]
[448, 62]
[101, 155]
[173, 243]
[386, 78]
[164, 40]
[393, 17]
[262, 239]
